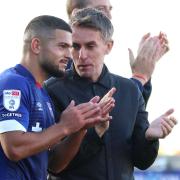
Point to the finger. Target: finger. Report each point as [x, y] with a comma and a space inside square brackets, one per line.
[166, 126]
[106, 109]
[143, 40]
[104, 101]
[95, 99]
[107, 118]
[165, 47]
[92, 113]
[169, 112]
[109, 94]
[146, 36]
[149, 48]
[164, 130]
[112, 91]
[131, 57]
[173, 119]
[170, 123]
[159, 51]
[84, 107]
[162, 35]
[71, 104]
[164, 39]
[90, 122]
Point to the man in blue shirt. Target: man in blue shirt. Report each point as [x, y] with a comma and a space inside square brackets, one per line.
[28, 133]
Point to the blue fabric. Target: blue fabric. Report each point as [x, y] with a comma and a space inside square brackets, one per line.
[34, 114]
[139, 84]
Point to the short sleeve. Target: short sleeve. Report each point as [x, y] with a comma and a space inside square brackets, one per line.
[14, 106]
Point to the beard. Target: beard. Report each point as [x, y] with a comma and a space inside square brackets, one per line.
[51, 69]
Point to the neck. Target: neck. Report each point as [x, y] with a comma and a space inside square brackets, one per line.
[37, 72]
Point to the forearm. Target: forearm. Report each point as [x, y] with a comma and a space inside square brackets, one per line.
[64, 152]
[18, 145]
[145, 153]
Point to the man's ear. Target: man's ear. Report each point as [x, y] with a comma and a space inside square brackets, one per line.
[74, 11]
[35, 45]
[109, 45]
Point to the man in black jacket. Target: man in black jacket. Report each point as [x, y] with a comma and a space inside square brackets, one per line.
[109, 150]
[144, 64]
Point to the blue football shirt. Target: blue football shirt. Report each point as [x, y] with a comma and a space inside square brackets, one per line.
[24, 106]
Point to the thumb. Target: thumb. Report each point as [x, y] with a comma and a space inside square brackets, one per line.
[169, 112]
[71, 104]
[131, 57]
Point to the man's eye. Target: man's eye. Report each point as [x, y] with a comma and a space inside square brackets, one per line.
[90, 46]
[62, 46]
[76, 46]
[101, 8]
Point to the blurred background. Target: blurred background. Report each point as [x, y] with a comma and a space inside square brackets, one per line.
[132, 19]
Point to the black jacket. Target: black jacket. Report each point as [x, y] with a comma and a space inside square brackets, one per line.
[123, 146]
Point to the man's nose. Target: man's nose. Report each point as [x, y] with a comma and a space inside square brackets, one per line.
[82, 53]
[108, 14]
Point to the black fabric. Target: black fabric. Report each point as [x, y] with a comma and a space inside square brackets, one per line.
[124, 145]
[147, 90]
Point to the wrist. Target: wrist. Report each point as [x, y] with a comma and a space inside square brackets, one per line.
[65, 131]
[99, 132]
[142, 78]
[149, 136]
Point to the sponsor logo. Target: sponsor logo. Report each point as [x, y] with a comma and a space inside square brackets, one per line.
[39, 106]
[11, 99]
[11, 115]
[37, 128]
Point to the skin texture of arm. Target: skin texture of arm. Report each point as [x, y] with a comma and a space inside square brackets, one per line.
[18, 145]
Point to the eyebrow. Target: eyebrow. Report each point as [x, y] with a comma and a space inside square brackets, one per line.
[104, 6]
[64, 44]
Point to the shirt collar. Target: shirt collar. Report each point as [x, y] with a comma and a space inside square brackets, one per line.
[103, 80]
[26, 73]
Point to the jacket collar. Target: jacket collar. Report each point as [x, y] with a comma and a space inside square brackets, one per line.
[104, 79]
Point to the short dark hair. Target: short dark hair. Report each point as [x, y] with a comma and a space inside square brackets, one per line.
[73, 4]
[94, 19]
[43, 25]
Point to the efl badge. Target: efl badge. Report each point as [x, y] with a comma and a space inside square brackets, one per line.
[11, 99]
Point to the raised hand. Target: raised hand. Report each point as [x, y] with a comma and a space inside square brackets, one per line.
[150, 50]
[162, 126]
[106, 103]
